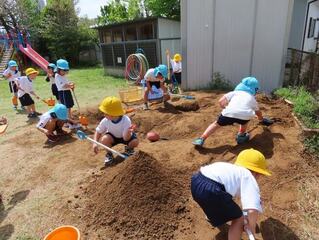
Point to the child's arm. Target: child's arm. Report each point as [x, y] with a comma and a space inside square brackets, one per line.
[251, 220]
[96, 138]
[223, 102]
[259, 115]
[68, 85]
[43, 130]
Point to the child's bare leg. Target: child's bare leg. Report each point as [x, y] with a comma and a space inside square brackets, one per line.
[210, 130]
[32, 107]
[133, 144]
[107, 140]
[242, 128]
[29, 109]
[146, 92]
[236, 229]
[50, 126]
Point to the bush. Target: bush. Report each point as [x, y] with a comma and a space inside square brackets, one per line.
[219, 82]
[305, 105]
[312, 144]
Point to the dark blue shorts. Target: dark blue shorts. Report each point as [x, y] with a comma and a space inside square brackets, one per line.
[211, 196]
[66, 98]
[224, 121]
[55, 91]
[26, 100]
[121, 140]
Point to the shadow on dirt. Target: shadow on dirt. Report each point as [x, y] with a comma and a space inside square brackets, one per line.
[274, 229]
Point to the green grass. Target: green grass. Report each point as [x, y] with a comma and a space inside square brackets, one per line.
[312, 144]
[91, 86]
[305, 105]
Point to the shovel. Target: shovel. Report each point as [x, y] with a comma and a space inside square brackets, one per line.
[83, 136]
[182, 96]
[83, 120]
[249, 233]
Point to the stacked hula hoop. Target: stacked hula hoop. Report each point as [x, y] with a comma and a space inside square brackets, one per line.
[136, 67]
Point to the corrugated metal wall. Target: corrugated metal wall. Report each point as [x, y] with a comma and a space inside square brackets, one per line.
[235, 38]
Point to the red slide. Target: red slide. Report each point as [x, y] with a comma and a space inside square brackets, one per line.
[34, 56]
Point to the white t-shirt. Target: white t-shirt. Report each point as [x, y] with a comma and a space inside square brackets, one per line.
[241, 105]
[26, 84]
[14, 74]
[44, 119]
[150, 77]
[60, 81]
[238, 182]
[177, 66]
[52, 80]
[116, 129]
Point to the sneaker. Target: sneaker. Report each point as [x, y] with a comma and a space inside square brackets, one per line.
[33, 115]
[22, 108]
[145, 107]
[53, 138]
[15, 107]
[30, 115]
[242, 138]
[199, 141]
[128, 151]
[108, 159]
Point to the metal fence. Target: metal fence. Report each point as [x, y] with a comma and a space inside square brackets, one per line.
[302, 69]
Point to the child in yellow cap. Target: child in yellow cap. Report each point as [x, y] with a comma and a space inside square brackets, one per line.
[215, 186]
[176, 64]
[115, 128]
[25, 90]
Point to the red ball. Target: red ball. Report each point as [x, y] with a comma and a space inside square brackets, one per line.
[153, 136]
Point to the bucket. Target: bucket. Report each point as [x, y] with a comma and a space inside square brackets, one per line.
[84, 121]
[50, 102]
[64, 233]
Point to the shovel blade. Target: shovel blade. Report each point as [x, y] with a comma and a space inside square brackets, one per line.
[81, 135]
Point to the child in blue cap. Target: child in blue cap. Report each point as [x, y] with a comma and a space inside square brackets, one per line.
[239, 106]
[11, 74]
[155, 77]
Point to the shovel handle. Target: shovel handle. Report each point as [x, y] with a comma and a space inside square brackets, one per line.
[82, 136]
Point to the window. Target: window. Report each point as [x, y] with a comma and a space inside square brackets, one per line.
[117, 35]
[107, 37]
[146, 31]
[130, 34]
[311, 27]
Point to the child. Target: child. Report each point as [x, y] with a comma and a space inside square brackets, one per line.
[176, 63]
[115, 128]
[64, 85]
[25, 89]
[12, 73]
[215, 186]
[239, 106]
[155, 77]
[53, 120]
[51, 78]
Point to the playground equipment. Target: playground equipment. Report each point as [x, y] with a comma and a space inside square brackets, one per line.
[136, 66]
[64, 233]
[34, 56]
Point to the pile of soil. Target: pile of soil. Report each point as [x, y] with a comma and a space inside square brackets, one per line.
[144, 201]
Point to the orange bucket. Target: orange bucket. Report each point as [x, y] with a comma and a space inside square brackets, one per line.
[50, 102]
[64, 233]
[15, 100]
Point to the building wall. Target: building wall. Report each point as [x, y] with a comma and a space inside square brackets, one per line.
[174, 47]
[168, 28]
[297, 24]
[235, 38]
[310, 42]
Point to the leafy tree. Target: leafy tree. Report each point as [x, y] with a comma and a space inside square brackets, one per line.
[114, 12]
[164, 8]
[134, 9]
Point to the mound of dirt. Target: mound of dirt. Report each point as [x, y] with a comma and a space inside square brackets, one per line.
[145, 201]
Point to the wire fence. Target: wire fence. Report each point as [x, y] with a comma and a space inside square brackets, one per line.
[302, 69]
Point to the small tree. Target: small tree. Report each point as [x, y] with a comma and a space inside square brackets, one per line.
[114, 12]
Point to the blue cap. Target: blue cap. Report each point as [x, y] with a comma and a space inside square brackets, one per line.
[162, 69]
[61, 111]
[248, 84]
[62, 64]
[12, 63]
[52, 65]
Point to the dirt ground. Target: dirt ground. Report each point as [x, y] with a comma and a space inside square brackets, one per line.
[148, 195]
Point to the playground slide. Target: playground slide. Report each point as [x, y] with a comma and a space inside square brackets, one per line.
[34, 56]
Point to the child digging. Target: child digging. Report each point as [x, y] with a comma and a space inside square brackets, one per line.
[215, 186]
[53, 121]
[51, 78]
[114, 128]
[239, 106]
[25, 90]
[11, 74]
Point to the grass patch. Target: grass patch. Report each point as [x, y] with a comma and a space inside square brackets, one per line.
[305, 105]
[312, 144]
[91, 86]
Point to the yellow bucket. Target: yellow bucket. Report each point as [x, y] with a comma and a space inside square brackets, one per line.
[132, 94]
[64, 233]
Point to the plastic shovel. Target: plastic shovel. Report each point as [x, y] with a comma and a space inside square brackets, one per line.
[83, 136]
[182, 96]
[83, 120]
[249, 233]
[64, 233]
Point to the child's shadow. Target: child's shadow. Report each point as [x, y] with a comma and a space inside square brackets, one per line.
[6, 231]
[68, 138]
[15, 199]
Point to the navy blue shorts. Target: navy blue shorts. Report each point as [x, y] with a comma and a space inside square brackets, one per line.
[156, 84]
[217, 204]
[26, 100]
[66, 98]
[121, 140]
[13, 87]
[224, 121]
[55, 91]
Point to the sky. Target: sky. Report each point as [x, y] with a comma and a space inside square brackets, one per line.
[91, 8]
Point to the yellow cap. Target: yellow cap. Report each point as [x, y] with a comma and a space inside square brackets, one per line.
[31, 71]
[177, 57]
[112, 106]
[253, 160]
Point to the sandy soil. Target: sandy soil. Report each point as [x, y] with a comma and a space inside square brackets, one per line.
[148, 195]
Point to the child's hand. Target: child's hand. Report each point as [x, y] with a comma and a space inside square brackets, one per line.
[95, 148]
[72, 86]
[132, 128]
[266, 121]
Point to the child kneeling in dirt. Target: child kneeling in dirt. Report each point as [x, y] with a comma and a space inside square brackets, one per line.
[115, 128]
[53, 121]
[215, 186]
[239, 106]
[155, 77]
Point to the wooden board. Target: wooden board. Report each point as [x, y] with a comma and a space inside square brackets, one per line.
[3, 128]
